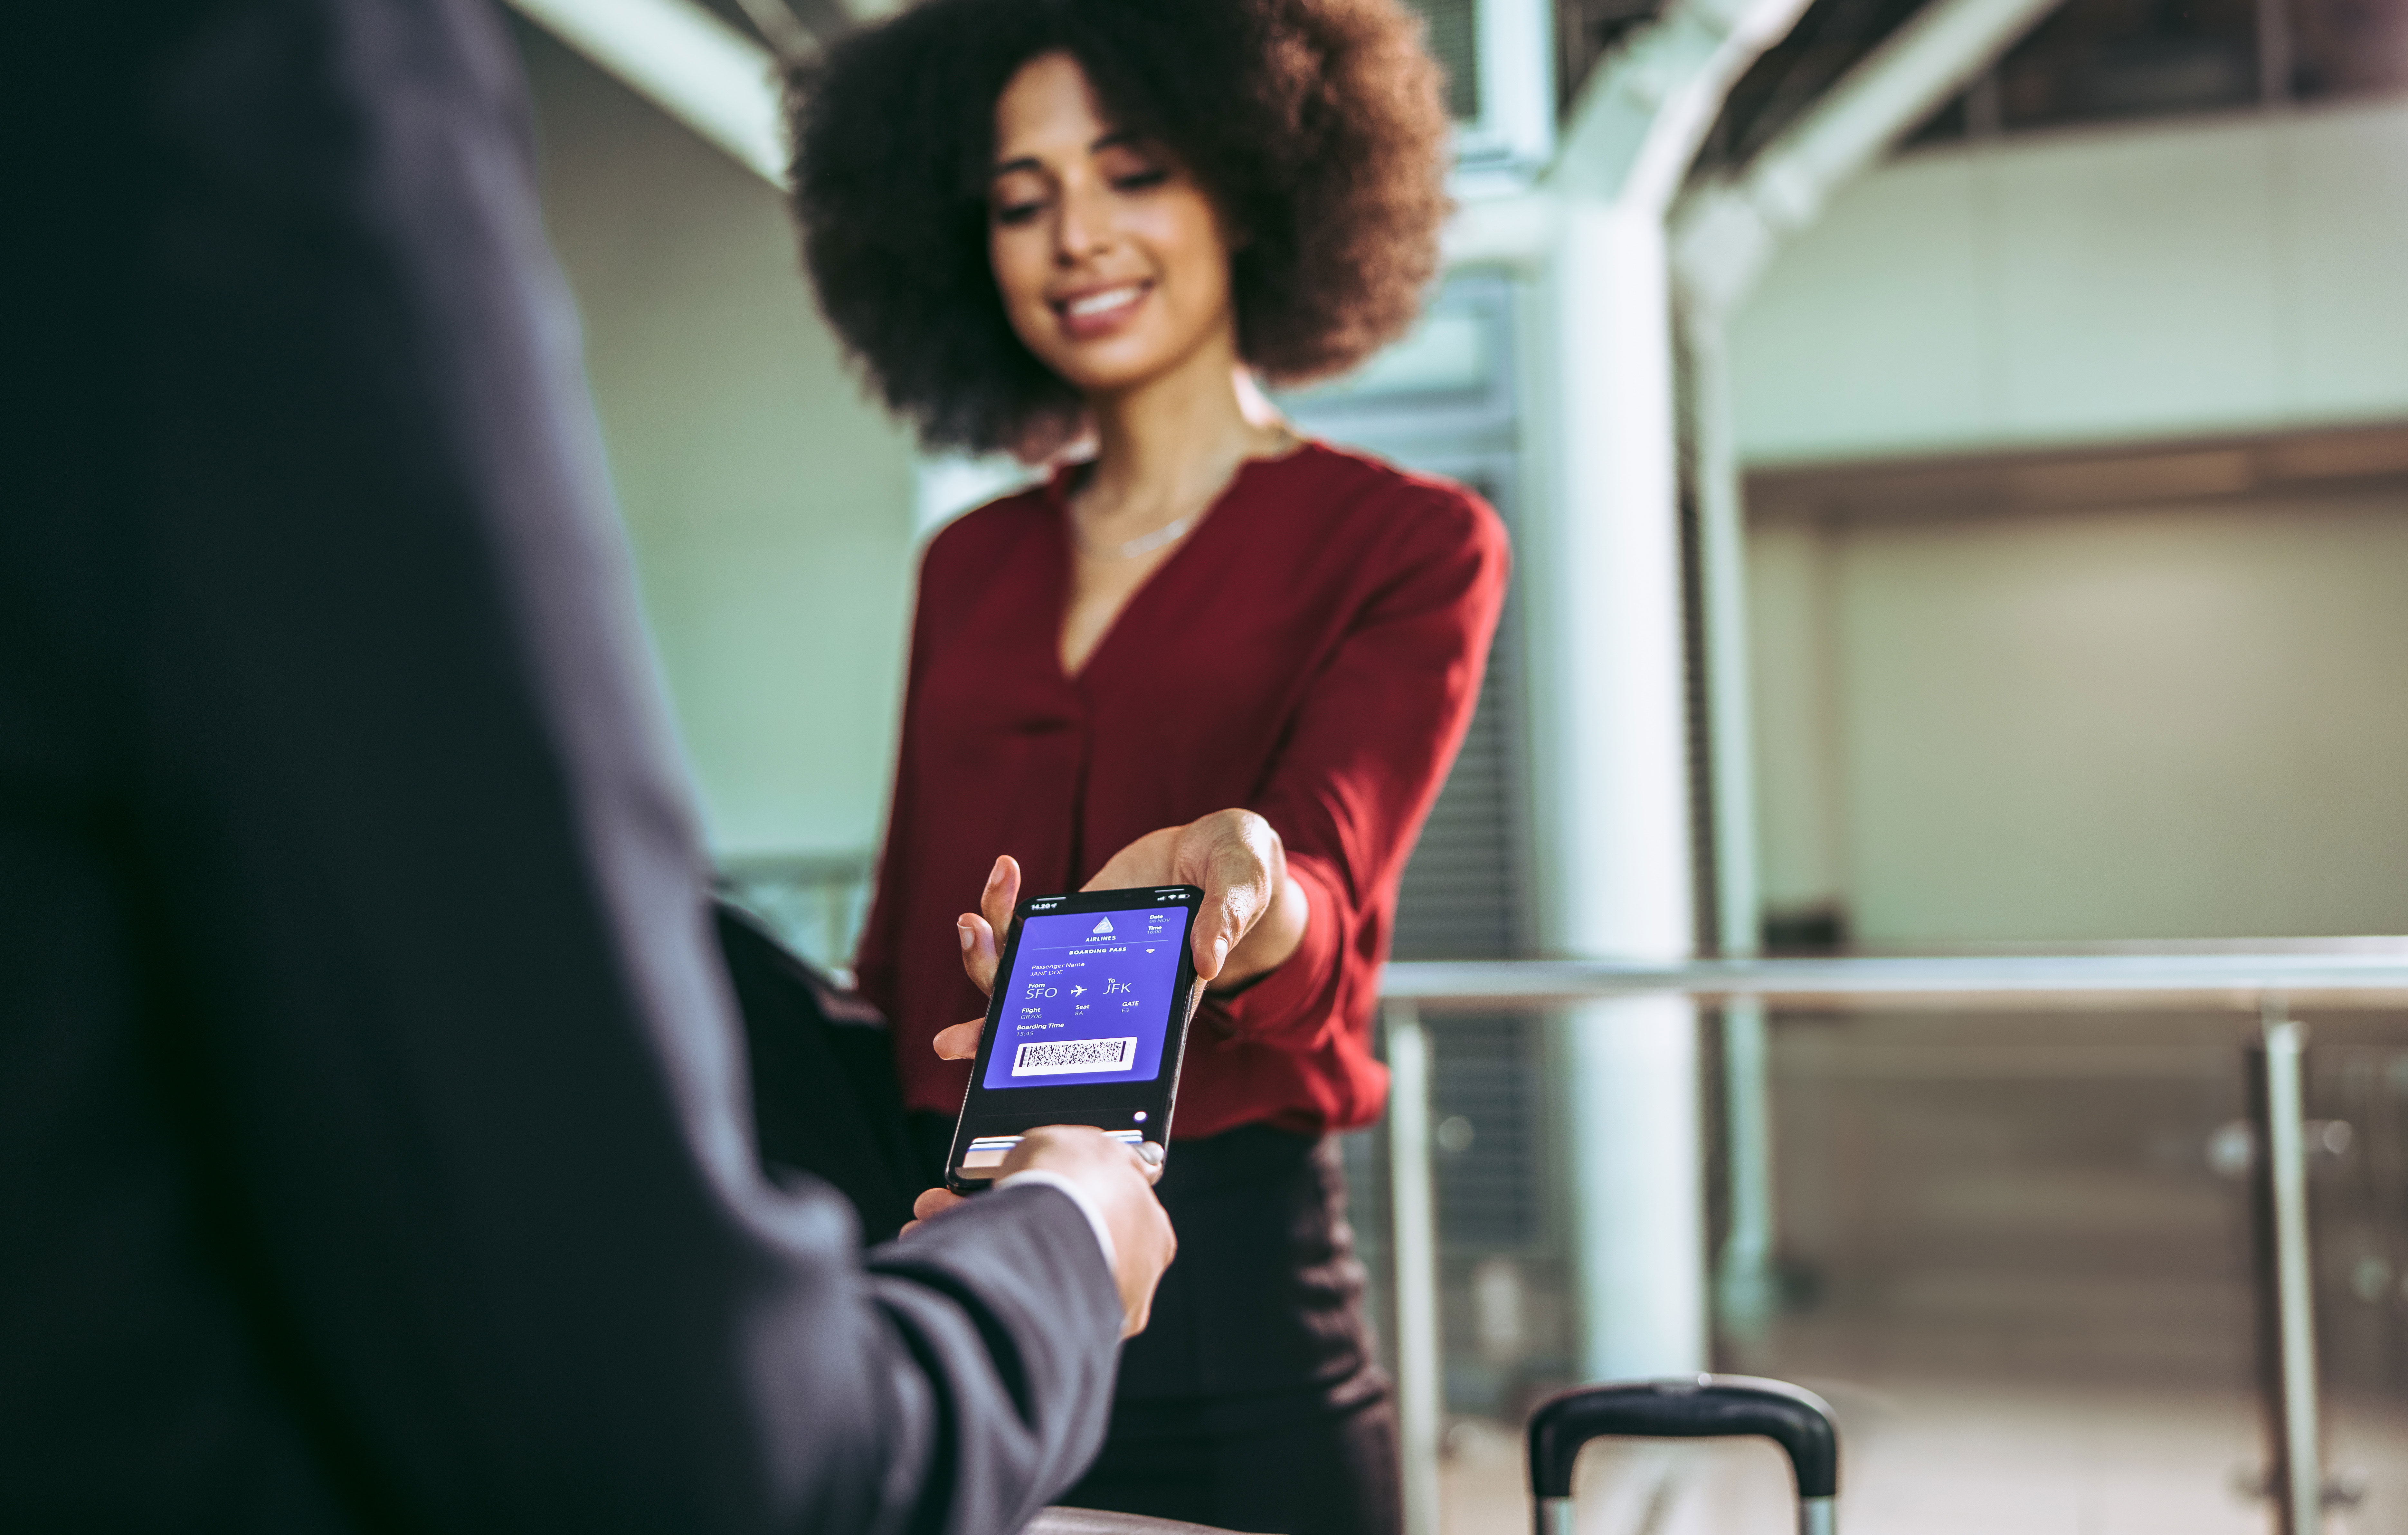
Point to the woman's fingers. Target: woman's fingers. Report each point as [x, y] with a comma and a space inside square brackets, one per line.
[1218, 928]
[977, 931]
[1239, 860]
[1001, 895]
[979, 953]
[979, 956]
[1211, 954]
[961, 1041]
[1147, 861]
[1232, 901]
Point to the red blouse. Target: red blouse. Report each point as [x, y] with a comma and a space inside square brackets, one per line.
[1311, 652]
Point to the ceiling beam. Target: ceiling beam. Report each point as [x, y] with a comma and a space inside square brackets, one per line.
[686, 61]
[1725, 235]
[1648, 105]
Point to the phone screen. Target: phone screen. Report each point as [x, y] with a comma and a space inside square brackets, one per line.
[1088, 998]
[1085, 1025]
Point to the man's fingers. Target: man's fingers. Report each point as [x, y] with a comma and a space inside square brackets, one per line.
[961, 1041]
[931, 1203]
[934, 1201]
[1142, 1239]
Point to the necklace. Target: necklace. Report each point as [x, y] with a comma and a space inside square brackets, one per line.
[1170, 533]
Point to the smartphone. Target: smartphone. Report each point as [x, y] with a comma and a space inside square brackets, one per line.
[1086, 1025]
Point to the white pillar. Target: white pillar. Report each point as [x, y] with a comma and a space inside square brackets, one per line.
[1743, 1279]
[1640, 1264]
[1613, 751]
[1616, 658]
[1610, 682]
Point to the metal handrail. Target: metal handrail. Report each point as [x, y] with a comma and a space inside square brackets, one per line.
[2350, 972]
[2266, 978]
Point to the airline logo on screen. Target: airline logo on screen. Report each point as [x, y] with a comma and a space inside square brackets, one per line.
[1088, 1000]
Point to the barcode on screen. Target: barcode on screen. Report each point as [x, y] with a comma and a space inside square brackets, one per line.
[1059, 1057]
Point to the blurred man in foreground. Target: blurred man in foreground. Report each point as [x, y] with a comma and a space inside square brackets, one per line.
[371, 1142]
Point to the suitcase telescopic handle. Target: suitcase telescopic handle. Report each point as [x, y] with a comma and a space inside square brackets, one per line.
[1685, 1406]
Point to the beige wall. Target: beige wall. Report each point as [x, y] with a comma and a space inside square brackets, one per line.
[769, 506]
[2160, 723]
[1793, 611]
[2135, 720]
[2168, 278]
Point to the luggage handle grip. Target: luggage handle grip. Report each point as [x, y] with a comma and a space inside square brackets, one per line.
[1685, 1406]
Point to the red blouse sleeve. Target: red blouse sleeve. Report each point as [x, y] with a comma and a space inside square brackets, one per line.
[1377, 731]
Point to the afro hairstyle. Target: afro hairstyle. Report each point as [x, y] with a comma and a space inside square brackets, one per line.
[1318, 127]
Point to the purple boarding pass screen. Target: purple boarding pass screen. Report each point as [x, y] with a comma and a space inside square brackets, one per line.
[1088, 1000]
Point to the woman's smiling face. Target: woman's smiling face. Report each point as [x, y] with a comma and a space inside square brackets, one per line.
[1111, 261]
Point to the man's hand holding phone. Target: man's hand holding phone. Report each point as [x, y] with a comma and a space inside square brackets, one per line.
[1121, 1187]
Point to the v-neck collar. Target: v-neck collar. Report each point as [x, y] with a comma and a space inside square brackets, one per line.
[1058, 497]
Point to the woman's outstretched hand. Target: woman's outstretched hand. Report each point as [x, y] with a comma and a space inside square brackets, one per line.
[1252, 918]
[1254, 915]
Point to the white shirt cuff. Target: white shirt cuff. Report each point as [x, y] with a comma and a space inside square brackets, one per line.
[1078, 1197]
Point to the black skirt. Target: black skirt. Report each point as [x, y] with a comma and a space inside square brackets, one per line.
[1252, 1400]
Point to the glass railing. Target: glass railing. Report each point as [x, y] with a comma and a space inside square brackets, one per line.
[816, 901]
[2104, 1242]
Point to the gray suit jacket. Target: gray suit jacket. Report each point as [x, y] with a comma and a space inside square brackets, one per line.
[372, 1144]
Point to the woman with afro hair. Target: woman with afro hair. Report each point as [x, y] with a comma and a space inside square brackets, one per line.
[1207, 651]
